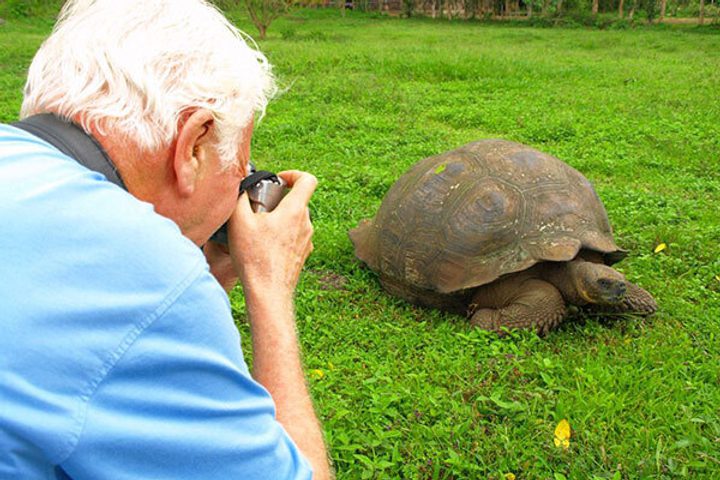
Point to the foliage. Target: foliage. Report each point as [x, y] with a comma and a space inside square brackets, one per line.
[408, 7]
[552, 12]
[406, 392]
[651, 9]
[577, 19]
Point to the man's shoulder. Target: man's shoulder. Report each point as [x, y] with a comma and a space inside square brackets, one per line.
[55, 206]
[81, 252]
[85, 267]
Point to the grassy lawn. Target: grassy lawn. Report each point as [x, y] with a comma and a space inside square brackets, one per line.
[406, 392]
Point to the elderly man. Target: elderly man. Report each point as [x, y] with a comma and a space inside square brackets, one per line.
[119, 358]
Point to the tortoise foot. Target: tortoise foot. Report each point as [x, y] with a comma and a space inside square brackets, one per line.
[536, 305]
[637, 301]
[492, 320]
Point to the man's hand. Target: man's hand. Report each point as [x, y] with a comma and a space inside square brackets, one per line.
[260, 251]
[269, 249]
[221, 264]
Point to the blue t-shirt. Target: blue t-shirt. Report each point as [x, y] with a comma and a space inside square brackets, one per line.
[119, 358]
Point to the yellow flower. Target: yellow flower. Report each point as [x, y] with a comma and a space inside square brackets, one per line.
[660, 247]
[317, 373]
[509, 476]
[562, 434]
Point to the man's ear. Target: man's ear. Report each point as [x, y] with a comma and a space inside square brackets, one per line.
[195, 136]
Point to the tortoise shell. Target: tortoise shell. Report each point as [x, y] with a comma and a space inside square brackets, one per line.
[464, 218]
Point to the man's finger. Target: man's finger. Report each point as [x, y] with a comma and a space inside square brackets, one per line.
[243, 208]
[290, 176]
[302, 186]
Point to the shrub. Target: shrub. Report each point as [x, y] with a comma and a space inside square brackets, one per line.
[620, 24]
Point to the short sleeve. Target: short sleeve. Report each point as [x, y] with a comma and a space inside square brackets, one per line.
[180, 404]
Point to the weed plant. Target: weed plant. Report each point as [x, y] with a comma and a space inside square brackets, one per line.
[406, 392]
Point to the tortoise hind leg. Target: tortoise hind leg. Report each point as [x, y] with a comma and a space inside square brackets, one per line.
[425, 298]
[531, 303]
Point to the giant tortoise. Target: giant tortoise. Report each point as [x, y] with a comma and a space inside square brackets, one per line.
[502, 233]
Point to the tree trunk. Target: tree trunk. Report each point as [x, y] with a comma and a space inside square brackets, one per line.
[529, 9]
[506, 11]
[546, 5]
[620, 8]
[595, 7]
[263, 31]
[663, 7]
[632, 10]
[559, 7]
[701, 20]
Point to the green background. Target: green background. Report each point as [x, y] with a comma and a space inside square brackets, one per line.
[405, 392]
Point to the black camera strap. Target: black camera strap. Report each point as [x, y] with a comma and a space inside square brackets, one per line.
[255, 177]
[72, 140]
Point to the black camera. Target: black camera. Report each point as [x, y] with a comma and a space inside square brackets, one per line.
[265, 190]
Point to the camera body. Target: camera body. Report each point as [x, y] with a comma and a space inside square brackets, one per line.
[265, 190]
[265, 194]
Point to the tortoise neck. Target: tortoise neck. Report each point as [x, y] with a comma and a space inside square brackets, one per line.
[565, 277]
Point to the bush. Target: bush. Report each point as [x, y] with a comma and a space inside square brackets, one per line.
[713, 11]
[541, 21]
[408, 7]
[651, 9]
[580, 19]
[620, 24]
[288, 33]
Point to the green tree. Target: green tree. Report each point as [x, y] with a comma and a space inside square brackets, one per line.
[261, 12]
[632, 10]
[650, 7]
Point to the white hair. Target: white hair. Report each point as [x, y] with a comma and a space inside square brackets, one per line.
[134, 66]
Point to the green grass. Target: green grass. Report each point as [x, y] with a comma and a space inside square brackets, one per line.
[412, 393]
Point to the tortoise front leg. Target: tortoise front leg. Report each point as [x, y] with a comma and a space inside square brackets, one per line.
[637, 300]
[531, 303]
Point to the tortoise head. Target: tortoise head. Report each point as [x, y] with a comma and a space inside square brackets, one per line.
[599, 284]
